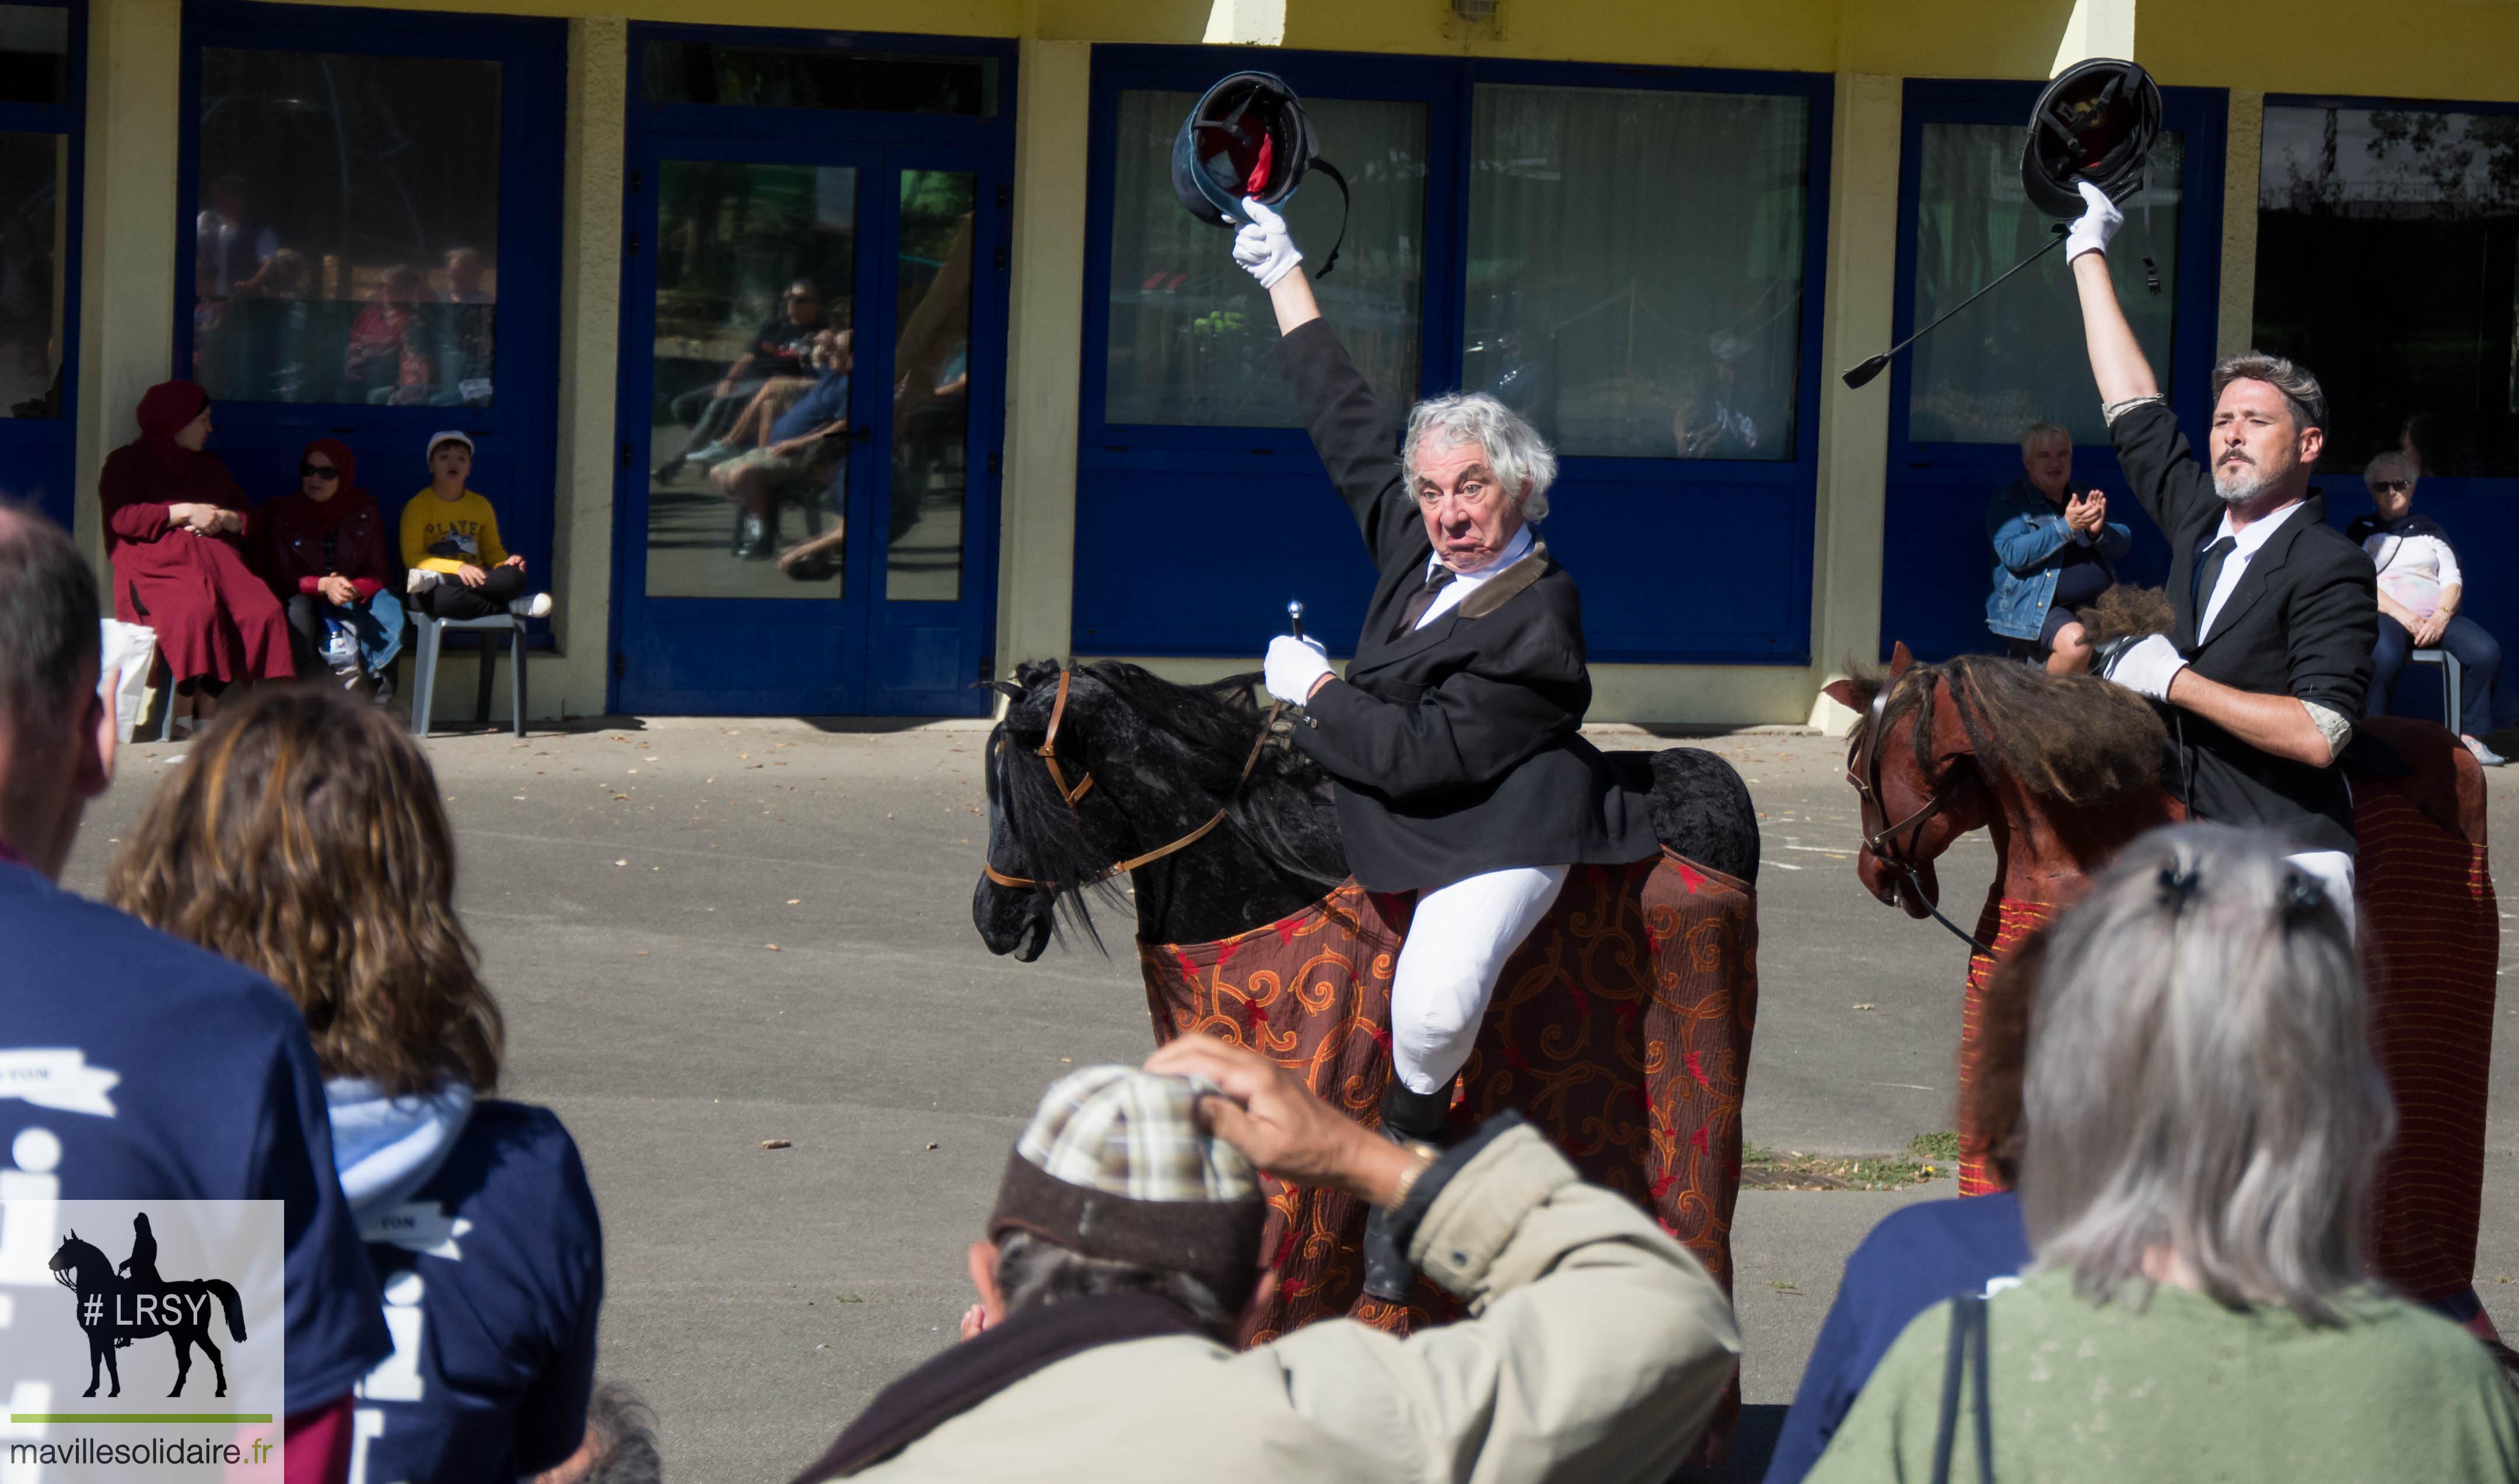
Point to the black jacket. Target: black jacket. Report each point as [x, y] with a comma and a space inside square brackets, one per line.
[2300, 623]
[1454, 747]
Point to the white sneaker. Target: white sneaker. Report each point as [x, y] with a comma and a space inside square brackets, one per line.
[537, 606]
[421, 581]
[2483, 754]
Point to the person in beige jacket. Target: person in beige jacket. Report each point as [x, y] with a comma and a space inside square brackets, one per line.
[1125, 1243]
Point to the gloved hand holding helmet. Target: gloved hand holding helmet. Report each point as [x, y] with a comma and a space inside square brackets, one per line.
[1264, 247]
[2099, 221]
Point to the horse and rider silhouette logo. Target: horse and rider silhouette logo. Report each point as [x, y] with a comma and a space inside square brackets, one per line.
[117, 1304]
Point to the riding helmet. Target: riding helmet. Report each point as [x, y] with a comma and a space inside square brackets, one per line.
[1248, 136]
[2096, 122]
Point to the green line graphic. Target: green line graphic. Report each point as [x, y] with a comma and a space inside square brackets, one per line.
[140, 1417]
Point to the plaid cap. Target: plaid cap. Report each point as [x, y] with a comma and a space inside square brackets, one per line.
[1114, 1165]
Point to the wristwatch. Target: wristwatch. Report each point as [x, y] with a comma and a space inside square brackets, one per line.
[1421, 1158]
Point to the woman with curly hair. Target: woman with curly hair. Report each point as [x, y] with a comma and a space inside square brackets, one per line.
[304, 839]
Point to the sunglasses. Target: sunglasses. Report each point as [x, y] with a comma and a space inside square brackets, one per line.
[2391, 486]
[318, 471]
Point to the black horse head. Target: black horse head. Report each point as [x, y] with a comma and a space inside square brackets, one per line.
[1163, 759]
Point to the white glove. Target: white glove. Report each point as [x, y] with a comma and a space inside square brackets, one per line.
[1295, 666]
[1262, 248]
[2146, 666]
[2099, 221]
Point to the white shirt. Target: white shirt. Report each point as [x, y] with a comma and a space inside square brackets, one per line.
[2236, 565]
[1467, 583]
[2413, 569]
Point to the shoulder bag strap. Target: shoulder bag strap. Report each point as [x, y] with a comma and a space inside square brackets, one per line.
[1968, 1336]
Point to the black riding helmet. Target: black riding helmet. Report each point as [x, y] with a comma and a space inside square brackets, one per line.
[2096, 122]
[1248, 136]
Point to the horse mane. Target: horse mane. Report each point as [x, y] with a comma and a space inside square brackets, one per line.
[1214, 726]
[2077, 739]
[2126, 611]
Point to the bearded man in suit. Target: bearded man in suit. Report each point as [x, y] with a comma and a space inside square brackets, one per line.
[1452, 741]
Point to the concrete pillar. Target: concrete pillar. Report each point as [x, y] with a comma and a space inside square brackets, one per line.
[1854, 425]
[1044, 341]
[2240, 168]
[128, 231]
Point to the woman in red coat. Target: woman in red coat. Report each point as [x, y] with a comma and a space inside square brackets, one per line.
[323, 551]
[175, 524]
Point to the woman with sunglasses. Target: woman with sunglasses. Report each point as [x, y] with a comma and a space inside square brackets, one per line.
[323, 551]
[2421, 589]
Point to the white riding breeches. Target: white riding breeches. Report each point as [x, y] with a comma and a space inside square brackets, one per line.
[1458, 941]
[2334, 871]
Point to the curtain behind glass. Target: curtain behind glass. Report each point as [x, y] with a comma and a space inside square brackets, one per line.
[1635, 268]
[1191, 334]
[2018, 357]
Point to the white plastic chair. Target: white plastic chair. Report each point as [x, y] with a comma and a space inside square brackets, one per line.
[423, 668]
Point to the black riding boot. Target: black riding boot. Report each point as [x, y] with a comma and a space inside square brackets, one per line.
[1407, 1118]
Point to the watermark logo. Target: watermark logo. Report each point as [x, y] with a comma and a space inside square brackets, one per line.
[89, 1392]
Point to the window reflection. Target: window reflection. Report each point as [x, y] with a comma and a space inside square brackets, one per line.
[2015, 357]
[2388, 265]
[1192, 339]
[819, 77]
[1643, 316]
[346, 232]
[931, 395]
[753, 350]
[30, 271]
[35, 53]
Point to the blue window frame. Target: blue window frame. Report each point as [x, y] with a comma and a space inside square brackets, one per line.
[37, 105]
[1192, 537]
[1937, 564]
[512, 426]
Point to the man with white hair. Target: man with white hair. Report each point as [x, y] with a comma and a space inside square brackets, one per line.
[1453, 738]
[2277, 611]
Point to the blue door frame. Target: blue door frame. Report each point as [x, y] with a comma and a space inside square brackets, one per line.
[861, 652]
[1935, 564]
[41, 454]
[515, 461]
[1189, 541]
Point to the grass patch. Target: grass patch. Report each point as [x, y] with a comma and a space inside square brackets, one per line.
[1767, 1169]
[1943, 1146]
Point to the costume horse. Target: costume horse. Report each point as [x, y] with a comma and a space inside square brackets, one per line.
[1621, 1027]
[2064, 771]
[114, 1311]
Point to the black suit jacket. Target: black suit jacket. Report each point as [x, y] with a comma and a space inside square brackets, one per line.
[2300, 623]
[1454, 746]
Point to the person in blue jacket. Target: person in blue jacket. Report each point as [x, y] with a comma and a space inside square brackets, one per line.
[305, 838]
[2054, 551]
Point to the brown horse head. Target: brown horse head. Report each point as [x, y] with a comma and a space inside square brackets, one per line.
[2062, 769]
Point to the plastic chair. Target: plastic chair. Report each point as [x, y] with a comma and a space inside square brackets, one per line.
[423, 668]
[2453, 685]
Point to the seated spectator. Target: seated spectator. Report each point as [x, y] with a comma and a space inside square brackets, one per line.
[2054, 551]
[2420, 590]
[806, 451]
[175, 526]
[1126, 1244]
[450, 541]
[1925, 1254]
[2202, 1113]
[323, 551]
[780, 347]
[141, 1068]
[305, 838]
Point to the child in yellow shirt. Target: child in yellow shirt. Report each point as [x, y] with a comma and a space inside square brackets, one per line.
[450, 541]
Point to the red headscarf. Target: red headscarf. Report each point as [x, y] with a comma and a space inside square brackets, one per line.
[165, 409]
[346, 494]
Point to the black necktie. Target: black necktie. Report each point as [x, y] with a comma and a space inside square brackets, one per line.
[1424, 599]
[2208, 577]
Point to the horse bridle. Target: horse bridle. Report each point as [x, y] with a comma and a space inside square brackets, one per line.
[1866, 787]
[1058, 778]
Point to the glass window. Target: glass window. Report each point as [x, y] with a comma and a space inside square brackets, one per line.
[34, 53]
[825, 78]
[2016, 356]
[756, 267]
[1192, 338]
[931, 385]
[1635, 267]
[346, 233]
[31, 273]
[2387, 241]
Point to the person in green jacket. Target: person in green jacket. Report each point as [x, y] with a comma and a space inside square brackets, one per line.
[2202, 1115]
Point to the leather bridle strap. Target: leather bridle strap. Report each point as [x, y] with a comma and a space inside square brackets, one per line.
[1868, 785]
[1276, 709]
[1047, 750]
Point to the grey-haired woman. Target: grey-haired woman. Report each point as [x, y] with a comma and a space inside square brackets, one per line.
[2202, 1112]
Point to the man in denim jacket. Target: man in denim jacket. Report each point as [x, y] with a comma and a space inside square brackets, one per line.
[2054, 551]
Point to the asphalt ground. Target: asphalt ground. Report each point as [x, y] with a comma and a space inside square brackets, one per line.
[711, 933]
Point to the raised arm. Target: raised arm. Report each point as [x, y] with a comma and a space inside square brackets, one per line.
[2117, 362]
